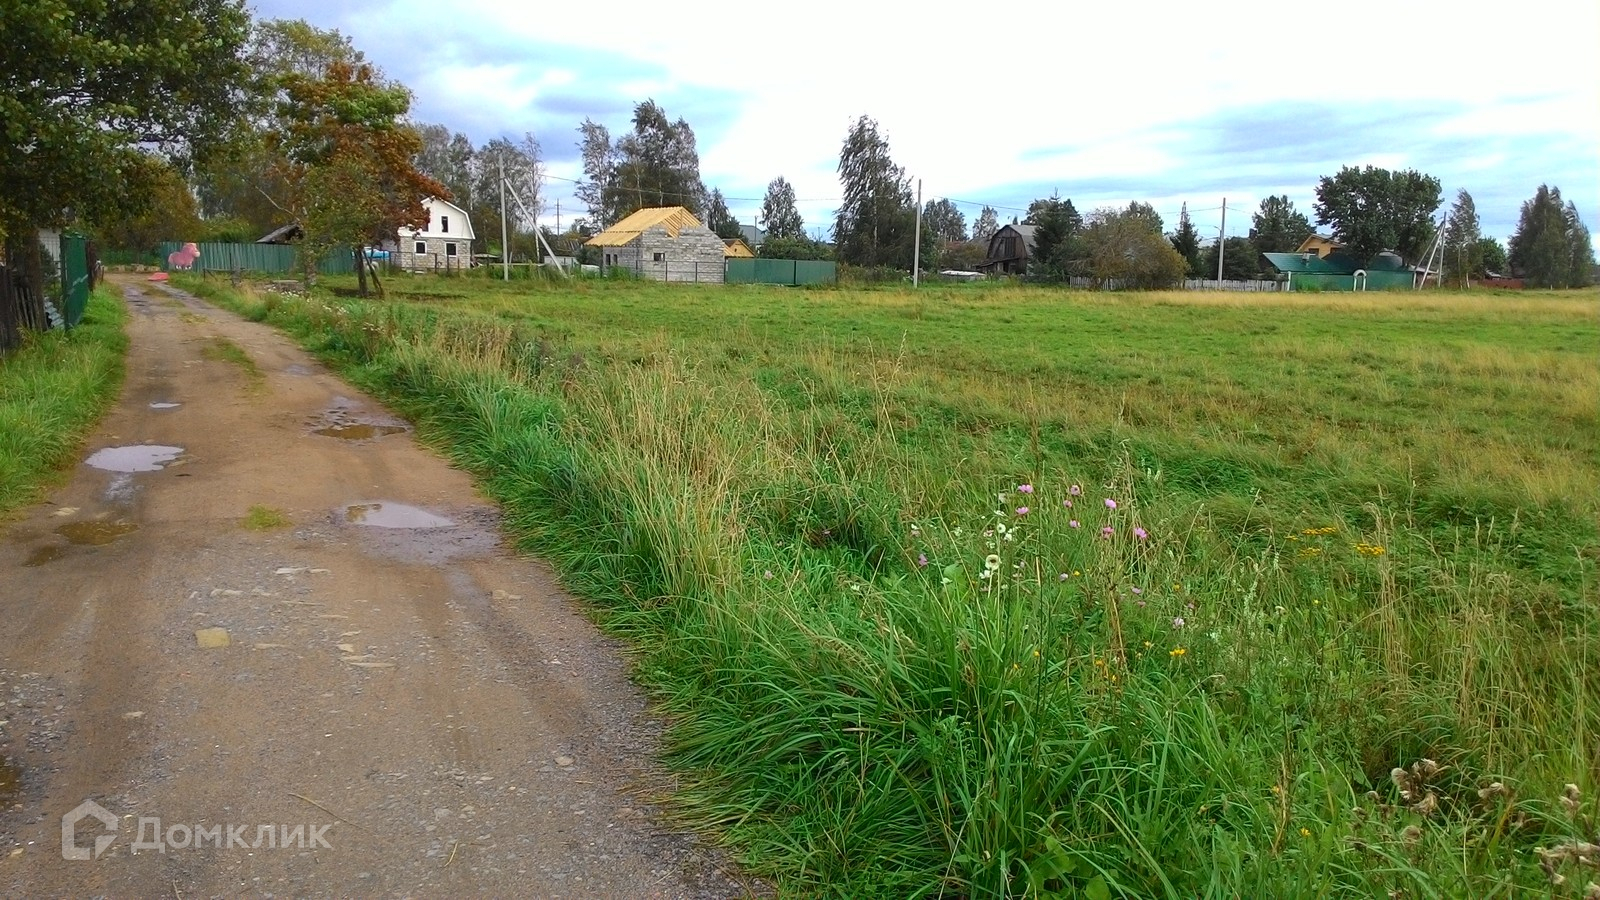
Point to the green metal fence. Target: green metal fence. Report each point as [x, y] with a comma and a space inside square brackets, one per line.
[75, 281]
[271, 259]
[780, 271]
[1377, 280]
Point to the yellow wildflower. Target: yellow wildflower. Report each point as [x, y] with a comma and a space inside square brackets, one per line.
[1177, 651]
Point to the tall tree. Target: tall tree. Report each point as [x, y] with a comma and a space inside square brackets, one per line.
[1373, 210]
[1462, 250]
[876, 216]
[352, 156]
[1551, 247]
[523, 165]
[654, 164]
[599, 173]
[1146, 215]
[86, 89]
[1186, 240]
[1119, 247]
[779, 215]
[1277, 227]
[944, 221]
[1492, 256]
[1241, 261]
[450, 160]
[719, 219]
[987, 224]
[1055, 222]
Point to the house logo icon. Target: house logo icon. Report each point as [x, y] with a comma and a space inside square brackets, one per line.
[88, 809]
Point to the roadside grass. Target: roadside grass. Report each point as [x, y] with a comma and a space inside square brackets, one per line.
[52, 392]
[264, 518]
[223, 350]
[1338, 635]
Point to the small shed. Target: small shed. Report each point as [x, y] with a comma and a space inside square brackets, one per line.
[1009, 250]
[663, 243]
[1339, 271]
[736, 248]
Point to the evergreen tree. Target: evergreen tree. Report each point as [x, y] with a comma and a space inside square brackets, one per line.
[1551, 247]
[1277, 227]
[1055, 221]
[719, 219]
[1186, 240]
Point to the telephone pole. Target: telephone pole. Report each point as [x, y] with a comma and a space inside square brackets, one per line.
[1222, 241]
[916, 251]
[505, 244]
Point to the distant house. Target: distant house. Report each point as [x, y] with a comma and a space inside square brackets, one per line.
[1320, 244]
[1009, 250]
[736, 248]
[1339, 271]
[753, 237]
[663, 243]
[444, 243]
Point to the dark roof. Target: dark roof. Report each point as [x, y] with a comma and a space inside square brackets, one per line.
[281, 235]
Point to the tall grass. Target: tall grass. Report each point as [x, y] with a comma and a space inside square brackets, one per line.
[910, 649]
[52, 392]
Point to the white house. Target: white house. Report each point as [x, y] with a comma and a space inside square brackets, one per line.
[446, 242]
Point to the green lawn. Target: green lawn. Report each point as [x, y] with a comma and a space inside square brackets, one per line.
[52, 392]
[1350, 534]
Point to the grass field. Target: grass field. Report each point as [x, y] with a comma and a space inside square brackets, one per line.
[52, 392]
[1017, 592]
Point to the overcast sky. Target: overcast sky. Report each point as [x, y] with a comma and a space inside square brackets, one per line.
[1104, 102]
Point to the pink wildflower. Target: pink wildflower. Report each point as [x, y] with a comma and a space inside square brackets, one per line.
[1110, 503]
[1138, 590]
[1073, 523]
[922, 560]
[1022, 510]
[1107, 531]
[1178, 622]
[1075, 490]
[1065, 576]
[1024, 488]
[1140, 533]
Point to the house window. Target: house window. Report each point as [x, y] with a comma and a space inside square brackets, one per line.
[422, 247]
[444, 224]
[449, 249]
[660, 257]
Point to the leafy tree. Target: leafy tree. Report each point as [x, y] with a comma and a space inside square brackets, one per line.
[719, 219]
[1551, 247]
[248, 178]
[522, 163]
[963, 255]
[1146, 214]
[171, 215]
[1241, 261]
[945, 222]
[1277, 227]
[876, 216]
[1492, 258]
[779, 215]
[87, 91]
[1055, 222]
[795, 247]
[451, 160]
[352, 156]
[1186, 240]
[987, 224]
[1462, 235]
[1118, 247]
[1373, 210]
[655, 164]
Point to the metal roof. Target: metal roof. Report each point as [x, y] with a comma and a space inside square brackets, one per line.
[673, 218]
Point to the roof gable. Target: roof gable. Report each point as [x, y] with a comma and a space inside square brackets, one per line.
[673, 219]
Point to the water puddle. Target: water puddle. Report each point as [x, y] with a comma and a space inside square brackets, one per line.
[162, 404]
[297, 369]
[358, 431]
[10, 780]
[134, 458]
[42, 555]
[384, 514]
[95, 534]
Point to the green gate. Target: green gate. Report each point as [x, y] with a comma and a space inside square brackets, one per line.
[74, 278]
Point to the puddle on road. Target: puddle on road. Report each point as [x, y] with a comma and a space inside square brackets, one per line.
[161, 404]
[384, 514]
[134, 458]
[42, 555]
[95, 534]
[358, 431]
[10, 781]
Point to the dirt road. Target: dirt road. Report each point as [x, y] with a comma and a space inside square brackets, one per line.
[411, 709]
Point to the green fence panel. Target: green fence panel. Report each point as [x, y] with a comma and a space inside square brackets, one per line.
[1373, 281]
[740, 271]
[815, 272]
[74, 278]
[270, 259]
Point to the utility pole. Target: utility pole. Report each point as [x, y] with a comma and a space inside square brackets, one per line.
[916, 250]
[505, 244]
[558, 215]
[1222, 241]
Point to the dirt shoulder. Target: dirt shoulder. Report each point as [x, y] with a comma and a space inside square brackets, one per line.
[417, 710]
